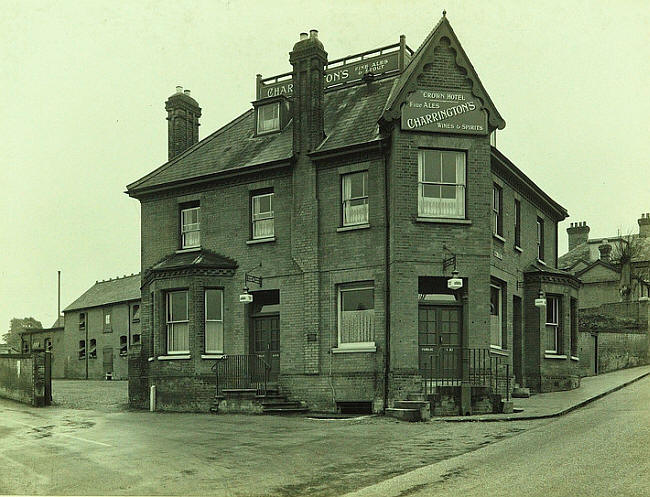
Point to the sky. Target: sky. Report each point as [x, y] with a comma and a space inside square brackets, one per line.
[84, 85]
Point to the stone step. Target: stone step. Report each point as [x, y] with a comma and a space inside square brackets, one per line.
[290, 404]
[521, 393]
[404, 414]
[411, 404]
[285, 410]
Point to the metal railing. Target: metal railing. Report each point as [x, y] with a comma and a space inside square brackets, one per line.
[242, 372]
[476, 367]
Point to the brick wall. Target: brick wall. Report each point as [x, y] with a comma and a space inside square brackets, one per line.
[22, 378]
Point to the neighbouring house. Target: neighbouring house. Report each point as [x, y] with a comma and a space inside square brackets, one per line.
[389, 250]
[48, 339]
[100, 326]
[5, 348]
[615, 277]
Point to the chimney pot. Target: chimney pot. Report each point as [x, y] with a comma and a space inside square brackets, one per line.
[313, 33]
[187, 92]
[179, 89]
[303, 36]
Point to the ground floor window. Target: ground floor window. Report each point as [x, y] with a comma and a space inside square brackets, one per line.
[496, 316]
[82, 349]
[356, 323]
[177, 319]
[123, 346]
[553, 329]
[213, 321]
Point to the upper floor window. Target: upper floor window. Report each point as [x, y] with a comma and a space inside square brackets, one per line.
[92, 352]
[135, 313]
[553, 328]
[497, 210]
[355, 198]
[48, 345]
[262, 215]
[26, 347]
[213, 321]
[268, 118]
[356, 316]
[82, 320]
[517, 223]
[190, 228]
[107, 321]
[177, 320]
[441, 184]
[540, 239]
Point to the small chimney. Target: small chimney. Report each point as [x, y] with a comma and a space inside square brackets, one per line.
[183, 113]
[605, 251]
[644, 225]
[578, 233]
[308, 59]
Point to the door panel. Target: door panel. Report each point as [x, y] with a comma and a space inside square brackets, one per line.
[266, 331]
[439, 341]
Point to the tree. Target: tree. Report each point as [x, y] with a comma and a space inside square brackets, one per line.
[12, 337]
[625, 251]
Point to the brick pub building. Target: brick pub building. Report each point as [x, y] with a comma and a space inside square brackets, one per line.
[351, 190]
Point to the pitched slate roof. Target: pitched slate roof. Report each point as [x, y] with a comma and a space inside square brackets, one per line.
[195, 259]
[351, 116]
[588, 251]
[108, 292]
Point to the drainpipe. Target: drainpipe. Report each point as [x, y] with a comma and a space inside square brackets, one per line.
[87, 343]
[387, 278]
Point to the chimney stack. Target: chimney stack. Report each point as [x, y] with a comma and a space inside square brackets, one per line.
[644, 225]
[183, 114]
[308, 59]
[605, 251]
[578, 233]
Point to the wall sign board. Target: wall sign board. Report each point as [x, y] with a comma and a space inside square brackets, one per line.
[444, 112]
[345, 73]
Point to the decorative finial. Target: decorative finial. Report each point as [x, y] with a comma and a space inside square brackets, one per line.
[444, 13]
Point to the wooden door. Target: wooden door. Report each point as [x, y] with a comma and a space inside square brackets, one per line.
[266, 342]
[108, 360]
[439, 329]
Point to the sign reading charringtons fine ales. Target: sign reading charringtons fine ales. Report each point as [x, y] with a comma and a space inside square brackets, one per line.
[444, 112]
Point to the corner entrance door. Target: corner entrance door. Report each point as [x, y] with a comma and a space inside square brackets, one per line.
[439, 341]
[266, 342]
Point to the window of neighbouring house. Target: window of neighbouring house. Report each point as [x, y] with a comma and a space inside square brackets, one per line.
[48, 344]
[82, 349]
[92, 349]
[268, 118]
[553, 328]
[496, 315]
[135, 313]
[540, 239]
[177, 319]
[213, 321]
[517, 223]
[190, 227]
[262, 215]
[356, 316]
[82, 320]
[497, 210]
[135, 339]
[574, 327]
[123, 346]
[355, 198]
[441, 184]
[25, 347]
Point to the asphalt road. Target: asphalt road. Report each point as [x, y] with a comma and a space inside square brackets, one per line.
[602, 449]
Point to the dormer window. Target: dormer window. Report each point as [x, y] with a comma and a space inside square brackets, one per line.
[268, 118]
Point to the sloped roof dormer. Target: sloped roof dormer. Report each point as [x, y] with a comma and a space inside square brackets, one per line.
[441, 38]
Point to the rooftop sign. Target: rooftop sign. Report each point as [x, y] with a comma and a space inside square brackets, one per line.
[338, 72]
[444, 112]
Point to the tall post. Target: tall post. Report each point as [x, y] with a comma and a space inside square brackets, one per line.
[465, 387]
[58, 306]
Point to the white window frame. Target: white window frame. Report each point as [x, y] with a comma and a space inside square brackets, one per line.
[556, 299]
[268, 125]
[460, 185]
[260, 217]
[499, 324]
[171, 323]
[347, 197]
[190, 228]
[205, 340]
[354, 345]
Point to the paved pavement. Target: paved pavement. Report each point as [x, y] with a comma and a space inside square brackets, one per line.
[549, 405]
[599, 450]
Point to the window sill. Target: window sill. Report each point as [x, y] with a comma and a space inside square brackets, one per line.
[541, 262]
[255, 241]
[174, 357]
[213, 356]
[189, 249]
[498, 237]
[496, 350]
[518, 249]
[551, 355]
[370, 347]
[442, 220]
[574, 358]
[353, 227]
[150, 359]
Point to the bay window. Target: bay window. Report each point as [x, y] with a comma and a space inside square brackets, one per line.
[213, 321]
[177, 320]
[356, 319]
[355, 198]
[441, 184]
[553, 328]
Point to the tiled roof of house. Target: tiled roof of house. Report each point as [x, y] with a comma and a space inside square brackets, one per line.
[108, 292]
[588, 251]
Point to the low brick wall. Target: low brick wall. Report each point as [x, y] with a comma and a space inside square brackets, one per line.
[17, 378]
